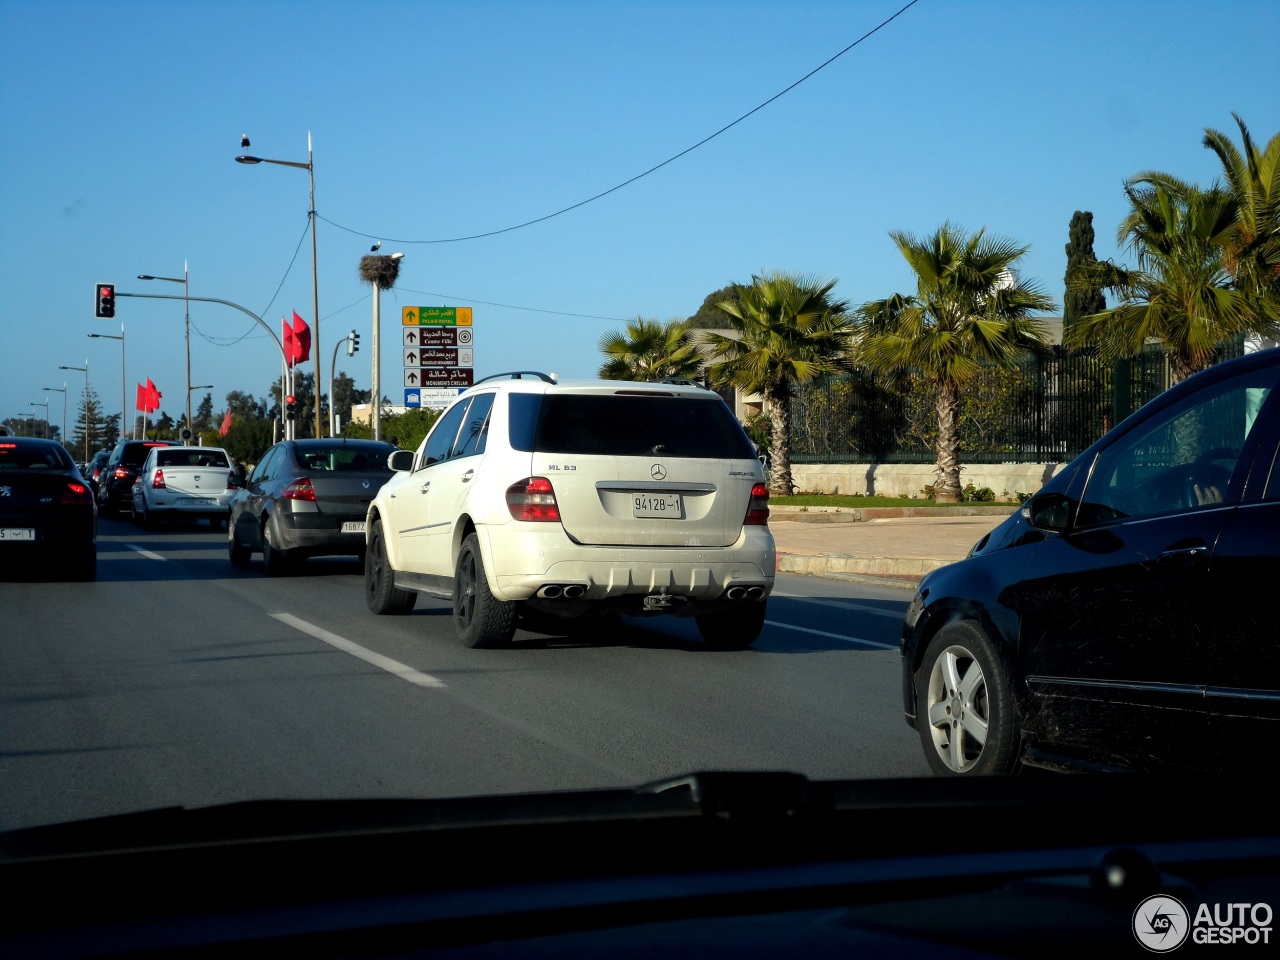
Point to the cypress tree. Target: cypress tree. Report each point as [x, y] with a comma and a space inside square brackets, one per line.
[1080, 301]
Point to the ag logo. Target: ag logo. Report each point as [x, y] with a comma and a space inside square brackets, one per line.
[1161, 923]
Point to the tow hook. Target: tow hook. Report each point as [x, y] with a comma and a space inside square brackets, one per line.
[663, 601]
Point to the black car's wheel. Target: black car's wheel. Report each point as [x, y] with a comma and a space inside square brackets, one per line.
[237, 552]
[480, 619]
[734, 629]
[964, 704]
[277, 560]
[380, 593]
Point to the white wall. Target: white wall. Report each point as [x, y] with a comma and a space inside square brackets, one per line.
[908, 479]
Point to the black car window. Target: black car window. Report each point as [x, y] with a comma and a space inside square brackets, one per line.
[263, 471]
[134, 454]
[439, 442]
[346, 457]
[640, 425]
[21, 456]
[475, 427]
[1183, 458]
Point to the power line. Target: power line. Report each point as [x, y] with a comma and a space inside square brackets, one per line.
[653, 169]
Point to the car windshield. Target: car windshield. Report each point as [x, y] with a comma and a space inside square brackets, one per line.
[568, 396]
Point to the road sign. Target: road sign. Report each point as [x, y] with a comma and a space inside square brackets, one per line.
[435, 316]
[438, 376]
[431, 398]
[436, 336]
[433, 357]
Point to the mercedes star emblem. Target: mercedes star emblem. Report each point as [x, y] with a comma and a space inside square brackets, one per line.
[658, 472]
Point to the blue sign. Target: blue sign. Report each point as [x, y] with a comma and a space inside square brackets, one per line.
[412, 398]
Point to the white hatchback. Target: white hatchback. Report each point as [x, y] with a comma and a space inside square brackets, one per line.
[537, 498]
[189, 483]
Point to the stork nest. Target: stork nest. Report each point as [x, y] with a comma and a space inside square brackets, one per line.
[379, 271]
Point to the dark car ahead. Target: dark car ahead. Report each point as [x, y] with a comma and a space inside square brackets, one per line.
[307, 498]
[1123, 618]
[47, 514]
[93, 469]
[115, 482]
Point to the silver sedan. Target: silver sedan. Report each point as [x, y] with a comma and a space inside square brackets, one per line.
[306, 498]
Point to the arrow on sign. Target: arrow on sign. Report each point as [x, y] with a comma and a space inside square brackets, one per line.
[411, 377]
[411, 337]
[411, 359]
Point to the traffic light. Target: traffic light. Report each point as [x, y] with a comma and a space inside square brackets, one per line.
[353, 343]
[105, 302]
[290, 407]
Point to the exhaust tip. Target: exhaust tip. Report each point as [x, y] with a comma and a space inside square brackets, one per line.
[755, 593]
[574, 591]
[550, 592]
[736, 593]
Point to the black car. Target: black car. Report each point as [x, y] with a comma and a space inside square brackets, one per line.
[307, 498]
[1120, 620]
[47, 513]
[93, 469]
[115, 482]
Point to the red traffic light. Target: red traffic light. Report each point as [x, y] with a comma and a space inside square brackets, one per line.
[289, 399]
[104, 307]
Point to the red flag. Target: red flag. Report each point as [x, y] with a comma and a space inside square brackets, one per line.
[153, 397]
[226, 423]
[140, 403]
[289, 341]
[302, 337]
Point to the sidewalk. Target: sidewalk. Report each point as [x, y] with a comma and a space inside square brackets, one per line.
[879, 543]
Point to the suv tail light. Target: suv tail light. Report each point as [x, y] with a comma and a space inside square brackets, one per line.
[76, 493]
[121, 473]
[758, 508]
[157, 480]
[300, 489]
[533, 498]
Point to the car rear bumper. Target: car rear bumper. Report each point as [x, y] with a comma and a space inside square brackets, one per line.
[525, 560]
[320, 534]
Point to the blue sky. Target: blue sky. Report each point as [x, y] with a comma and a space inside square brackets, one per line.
[119, 122]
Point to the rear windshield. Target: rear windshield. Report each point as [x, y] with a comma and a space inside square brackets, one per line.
[21, 456]
[185, 457]
[622, 425]
[346, 458]
[134, 453]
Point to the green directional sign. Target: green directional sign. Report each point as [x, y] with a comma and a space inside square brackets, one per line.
[435, 316]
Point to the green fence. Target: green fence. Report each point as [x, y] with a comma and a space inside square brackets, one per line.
[1044, 410]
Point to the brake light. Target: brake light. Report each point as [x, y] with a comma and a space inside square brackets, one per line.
[157, 481]
[533, 498]
[300, 489]
[758, 508]
[76, 493]
[121, 473]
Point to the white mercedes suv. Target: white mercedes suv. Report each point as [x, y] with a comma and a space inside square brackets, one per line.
[539, 499]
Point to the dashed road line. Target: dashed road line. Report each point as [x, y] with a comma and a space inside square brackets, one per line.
[368, 656]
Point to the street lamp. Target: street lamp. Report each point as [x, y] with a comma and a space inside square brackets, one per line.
[45, 404]
[62, 390]
[186, 296]
[309, 166]
[85, 371]
[190, 390]
[124, 381]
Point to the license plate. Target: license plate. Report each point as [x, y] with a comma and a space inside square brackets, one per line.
[656, 505]
[353, 526]
[198, 502]
[17, 533]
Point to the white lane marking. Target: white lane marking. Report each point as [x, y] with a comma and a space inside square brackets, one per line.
[146, 553]
[824, 633]
[839, 605]
[368, 656]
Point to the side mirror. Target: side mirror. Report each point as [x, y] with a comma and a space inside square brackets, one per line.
[1049, 511]
[401, 461]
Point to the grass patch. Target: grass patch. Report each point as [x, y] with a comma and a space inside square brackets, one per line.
[833, 500]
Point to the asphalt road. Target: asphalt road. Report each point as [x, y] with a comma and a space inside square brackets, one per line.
[176, 679]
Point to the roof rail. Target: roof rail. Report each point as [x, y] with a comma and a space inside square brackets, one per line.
[682, 382]
[517, 375]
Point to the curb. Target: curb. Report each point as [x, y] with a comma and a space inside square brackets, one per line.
[845, 565]
[861, 514]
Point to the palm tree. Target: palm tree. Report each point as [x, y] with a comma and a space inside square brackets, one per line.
[969, 308]
[1252, 245]
[1181, 293]
[790, 331]
[650, 350]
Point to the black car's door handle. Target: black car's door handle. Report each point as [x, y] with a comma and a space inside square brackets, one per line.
[1192, 554]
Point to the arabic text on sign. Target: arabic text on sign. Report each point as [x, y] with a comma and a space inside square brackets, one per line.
[436, 316]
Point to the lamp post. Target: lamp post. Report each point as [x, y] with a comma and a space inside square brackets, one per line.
[186, 298]
[45, 404]
[62, 390]
[190, 390]
[124, 381]
[85, 371]
[309, 166]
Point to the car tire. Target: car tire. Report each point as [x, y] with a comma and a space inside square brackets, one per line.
[134, 516]
[148, 521]
[734, 629]
[237, 552]
[964, 705]
[480, 619]
[277, 560]
[380, 593]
